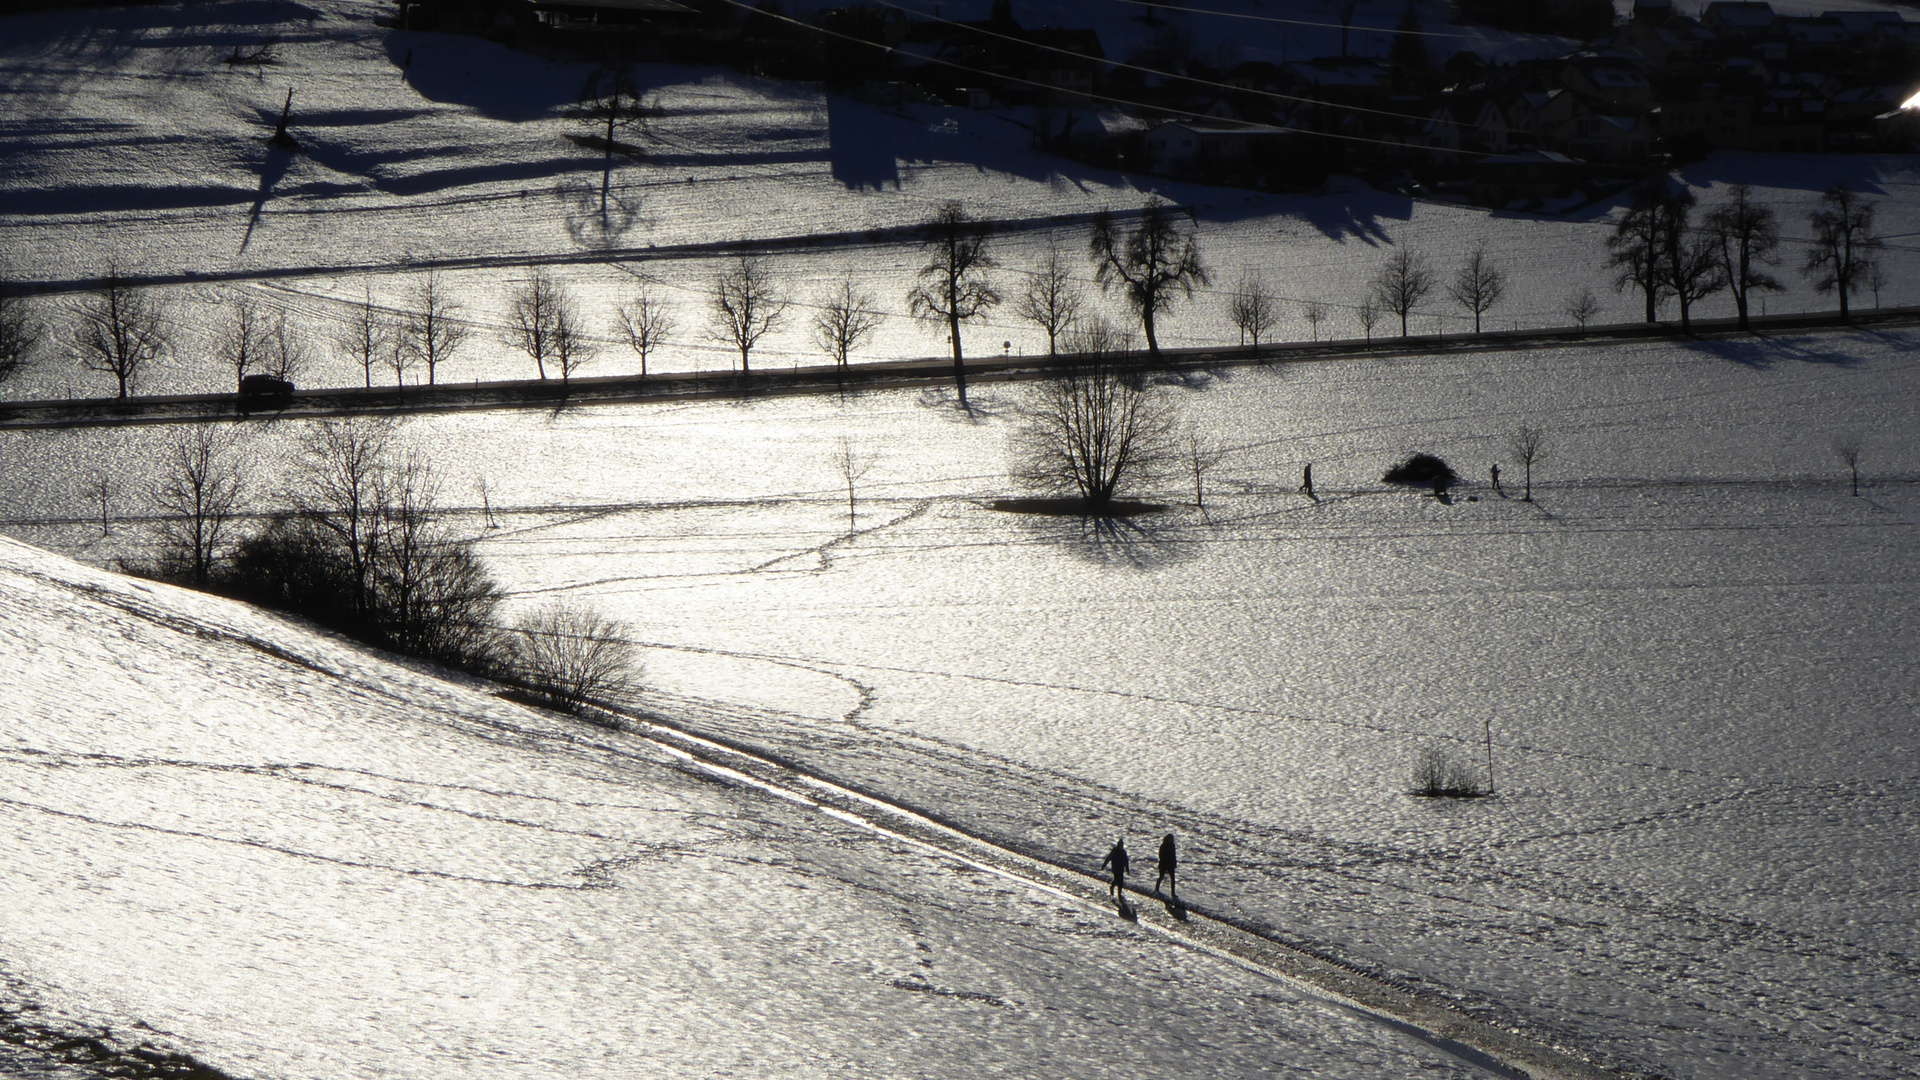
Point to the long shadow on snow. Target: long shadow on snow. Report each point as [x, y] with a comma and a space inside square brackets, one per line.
[1761, 353]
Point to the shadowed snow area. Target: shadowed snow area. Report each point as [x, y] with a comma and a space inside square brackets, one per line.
[124, 138]
[228, 835]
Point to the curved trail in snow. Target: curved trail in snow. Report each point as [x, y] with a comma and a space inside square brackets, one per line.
[1499, 1052]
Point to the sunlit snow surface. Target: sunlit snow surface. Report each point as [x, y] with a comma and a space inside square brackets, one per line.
[1695, 648]
[293, 860]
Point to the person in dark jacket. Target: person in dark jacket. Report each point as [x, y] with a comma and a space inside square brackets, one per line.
[1117, 858]
[1168, 861]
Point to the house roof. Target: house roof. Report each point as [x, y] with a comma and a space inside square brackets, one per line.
[1739, 13]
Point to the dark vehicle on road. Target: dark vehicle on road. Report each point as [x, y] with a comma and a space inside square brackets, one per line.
[264, 392]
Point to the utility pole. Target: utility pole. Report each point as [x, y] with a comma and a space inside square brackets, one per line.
[1489, 727]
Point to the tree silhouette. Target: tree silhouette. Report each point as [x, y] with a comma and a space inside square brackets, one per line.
[954, 286]
[1843, 244]
[1152, 264]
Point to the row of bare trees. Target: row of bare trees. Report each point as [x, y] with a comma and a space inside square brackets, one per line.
[1658, 249]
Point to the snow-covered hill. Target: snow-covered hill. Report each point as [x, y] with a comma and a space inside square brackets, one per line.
[228, 836]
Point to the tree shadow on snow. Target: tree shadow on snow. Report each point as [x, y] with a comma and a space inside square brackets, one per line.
[1761, 353]
[275, 167]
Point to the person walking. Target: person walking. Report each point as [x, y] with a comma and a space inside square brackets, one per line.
[1494, 471]
[1117, 858]
[1306, 481]
[1168, 862]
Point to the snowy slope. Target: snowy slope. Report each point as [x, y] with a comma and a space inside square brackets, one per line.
[229, 836]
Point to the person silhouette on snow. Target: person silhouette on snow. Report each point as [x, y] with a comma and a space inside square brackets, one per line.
[1494, 471]
[1117, 858]
[1306, 481]
[1168, 861]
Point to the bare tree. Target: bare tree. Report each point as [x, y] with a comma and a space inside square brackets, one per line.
[1050, 300]
[1151, 265]
[1636, 246]
[530, 317]
[851, 465]
[1315, 313]
[1528, 445]
[646, 322]
[1090, 432]
[103, 488]
[1198, 457]
[118, 330]
[1581, 307]
[844, 320]
[1876, 279]
[1368, 315]
[365, 337]
[1847, 449]
[1479, 285]
[575, 656]
[20, 331]
[399, 355]
[744, 305]
[339, 483]
[954, 284]
[432, 332]
[1843, 244]
[1690, 263]
[1747, 234]
[1252, 309]
[610, 104]
[1401, 283]
[198, 496]
[573, 347]
[238, 341]
[284, 352]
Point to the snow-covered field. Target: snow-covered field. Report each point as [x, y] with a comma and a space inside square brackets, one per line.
[1694, 652]
[124, 139]
[230, 836]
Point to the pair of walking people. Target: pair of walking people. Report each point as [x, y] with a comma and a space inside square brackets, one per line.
[1117, 860]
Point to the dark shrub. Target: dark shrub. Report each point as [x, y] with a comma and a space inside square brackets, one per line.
[1422, 471]
[1437, 774]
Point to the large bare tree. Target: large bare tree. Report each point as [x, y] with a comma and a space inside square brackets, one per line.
[646, 323]
[1401, 283]
[339, 483]
[1478, 285]
[1636, 247]
[955, 283]
[744, 304]
[1050, 300]
[432, 331]
[1090, 432]
[198, 496]
[609, 105]
[1747, 234]
[1843, 244]
[1689, 262]
[1152, 265]
[118, 330]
